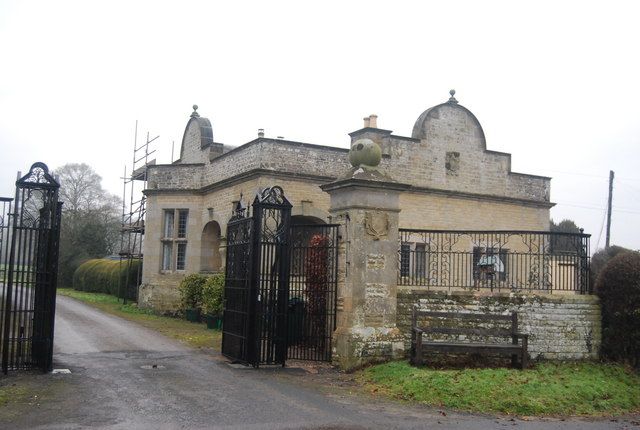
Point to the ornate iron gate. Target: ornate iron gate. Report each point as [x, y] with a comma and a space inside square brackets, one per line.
[237, 288]
[29, 239]
[312, 291]
[280, 293]
[272, 217]
[257, 281]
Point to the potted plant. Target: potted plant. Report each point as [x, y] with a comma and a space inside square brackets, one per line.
[213, 300]
[191, 296]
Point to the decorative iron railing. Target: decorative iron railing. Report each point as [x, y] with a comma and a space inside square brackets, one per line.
[509, 261]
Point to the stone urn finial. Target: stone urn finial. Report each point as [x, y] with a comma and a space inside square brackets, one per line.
[365, 154]
[452, 99]
[195, 113]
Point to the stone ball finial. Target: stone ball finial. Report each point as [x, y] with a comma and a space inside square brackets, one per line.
[195, 111]
[365, 153]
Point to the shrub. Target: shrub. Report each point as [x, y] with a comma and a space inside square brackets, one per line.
[619, 289]
[191, 291]
[107, 276]
[213, 295]
[601, 258]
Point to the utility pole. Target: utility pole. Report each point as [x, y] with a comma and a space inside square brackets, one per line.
[609, 209]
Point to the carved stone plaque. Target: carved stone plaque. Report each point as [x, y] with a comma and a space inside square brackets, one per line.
[376, 224]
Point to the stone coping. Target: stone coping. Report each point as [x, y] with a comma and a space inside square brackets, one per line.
[564, 297]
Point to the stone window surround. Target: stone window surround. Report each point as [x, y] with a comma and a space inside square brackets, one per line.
[176, 242]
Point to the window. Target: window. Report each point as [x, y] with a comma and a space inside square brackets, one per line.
[182, 223]
[489, 262]
[174, 236]
[181, 256]
[421, 260]
[168, 224]
[167, 249]
[413, 260]
[405, 258]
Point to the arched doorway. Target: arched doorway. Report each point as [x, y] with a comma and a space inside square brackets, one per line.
[306, 220]
[210, 259]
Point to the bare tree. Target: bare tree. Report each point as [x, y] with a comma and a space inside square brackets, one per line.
[90, 219]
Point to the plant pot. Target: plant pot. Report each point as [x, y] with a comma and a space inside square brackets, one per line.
[213, 321]
[192, 315]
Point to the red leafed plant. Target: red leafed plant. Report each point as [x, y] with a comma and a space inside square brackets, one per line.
[316, 286]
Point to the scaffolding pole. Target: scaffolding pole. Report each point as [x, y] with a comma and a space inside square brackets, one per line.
[133, 216]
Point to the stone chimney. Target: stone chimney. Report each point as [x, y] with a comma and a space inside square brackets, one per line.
[371, 121]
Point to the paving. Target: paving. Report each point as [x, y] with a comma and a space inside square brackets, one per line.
[124, 376]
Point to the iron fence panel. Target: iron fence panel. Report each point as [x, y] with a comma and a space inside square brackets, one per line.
[511, 261]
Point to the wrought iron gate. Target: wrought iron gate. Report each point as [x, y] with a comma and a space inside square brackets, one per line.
[237, 288]
[312, 291]
[280, 285]
[29, 238]
[257, 281]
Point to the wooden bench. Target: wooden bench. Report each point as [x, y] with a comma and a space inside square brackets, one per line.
[491, 326]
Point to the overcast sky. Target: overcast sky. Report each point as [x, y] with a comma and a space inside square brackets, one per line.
[556, 84]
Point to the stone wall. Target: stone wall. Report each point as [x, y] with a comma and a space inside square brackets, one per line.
[450, 212]
[175, 176]
[279, 155]
[561, 327]
[451, 155]
[159, 288]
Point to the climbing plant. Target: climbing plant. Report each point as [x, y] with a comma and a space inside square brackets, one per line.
[316, 280]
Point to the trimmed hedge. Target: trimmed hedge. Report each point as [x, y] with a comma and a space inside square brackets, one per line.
[106, 276]
[619, 289]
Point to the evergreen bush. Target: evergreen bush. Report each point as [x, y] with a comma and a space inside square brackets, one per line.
[191, 291]
[213, 295]
[619, 289]
[600, 259]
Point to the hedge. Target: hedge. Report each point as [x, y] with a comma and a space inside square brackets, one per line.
[619, 290]
[106, 276]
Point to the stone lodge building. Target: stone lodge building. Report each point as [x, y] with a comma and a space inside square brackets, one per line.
[460, 231]
[455, 183]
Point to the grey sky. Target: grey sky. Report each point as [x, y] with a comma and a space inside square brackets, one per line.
[556, 84]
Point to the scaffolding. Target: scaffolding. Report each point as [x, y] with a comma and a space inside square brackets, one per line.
[133, 215]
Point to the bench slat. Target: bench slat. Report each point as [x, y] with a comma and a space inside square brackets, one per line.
[465, 316]
[472, 347]
[498, 332]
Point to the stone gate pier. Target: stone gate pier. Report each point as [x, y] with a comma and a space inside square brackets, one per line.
[365, 202]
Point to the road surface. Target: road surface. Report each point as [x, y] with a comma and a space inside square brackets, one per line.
[113, 384]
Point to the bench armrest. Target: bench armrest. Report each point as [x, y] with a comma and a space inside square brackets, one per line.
[417, 330]
[522, 335]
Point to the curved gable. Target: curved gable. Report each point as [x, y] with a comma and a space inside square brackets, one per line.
[198, 135]
[450, 121]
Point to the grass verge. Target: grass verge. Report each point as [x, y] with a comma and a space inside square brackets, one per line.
[589, 389]
[194, 334]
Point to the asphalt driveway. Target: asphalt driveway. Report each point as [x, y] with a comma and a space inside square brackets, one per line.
[124, 376]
